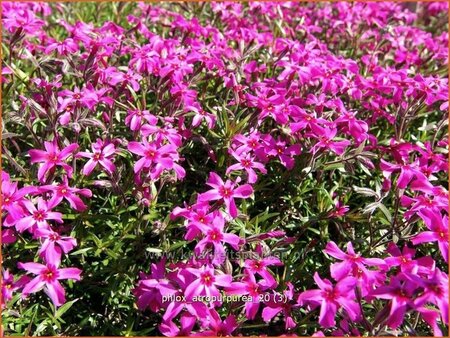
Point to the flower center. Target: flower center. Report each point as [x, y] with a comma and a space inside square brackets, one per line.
[215, 235]
[77, 96]
[54, 237]
[150, 153]
[246, 163]
[53, 158]
[49, 275]
[256, 265]
[330, 294]
[207, 279]
[39, 215]
[6, 200]
[225, 192]
[97, 156]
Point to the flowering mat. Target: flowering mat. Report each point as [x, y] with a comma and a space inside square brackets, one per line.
[225, 169]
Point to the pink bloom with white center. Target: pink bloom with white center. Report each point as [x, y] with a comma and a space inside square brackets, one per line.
[215, 236]
[48, 277]
[206, 283]
[102, 152]
[53, 243]
[225, 191]
[38, 216]
[52, 157]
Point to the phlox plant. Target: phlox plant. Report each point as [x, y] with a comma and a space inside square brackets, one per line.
[224, 168]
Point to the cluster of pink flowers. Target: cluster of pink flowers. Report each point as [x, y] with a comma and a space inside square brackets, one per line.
[299, 103]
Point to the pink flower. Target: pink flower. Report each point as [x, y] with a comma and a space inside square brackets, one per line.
[281, 303]
[438, 226]
[48, 277]
[219, 328]
[170, 329]
[134, 118]
[102, 152]
[225, 191]
[125, 79]
[331, 298]
[63, 191]
[156, 157]
[215, 236]
[206, 283]
[200, 115]
[52, 157]
[247, 163]
[259, 267]
[400, 292]
[352, 263]
[9, 285]
[38, 216]
[53, 243]
[435, 291]
[248, 286]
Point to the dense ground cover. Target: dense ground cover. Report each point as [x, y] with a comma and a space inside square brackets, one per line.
[287, 160]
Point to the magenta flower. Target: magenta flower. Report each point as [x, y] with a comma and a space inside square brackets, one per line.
[351, 262]
[102, 152]
[53, 243]
[52, 157]
[325, 137]
[404, 259]
[435, 291]
[63, 191]
[438, 231]
[285, 153]
[201, 115]
[215, 236]
[225, 191]
[65, 47]
[281, 303]
[219, 328]
[135, 117]
[400, 293]
[126, 78]
[259, 267]
[38, 216]
[331, 298]
[247, 163]
[248, 286]
[13, 199]
[206, 283]
[407, 172]
[48, 277]
[158, 157]
[170, 329]
[9, 285]
[152, 287]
